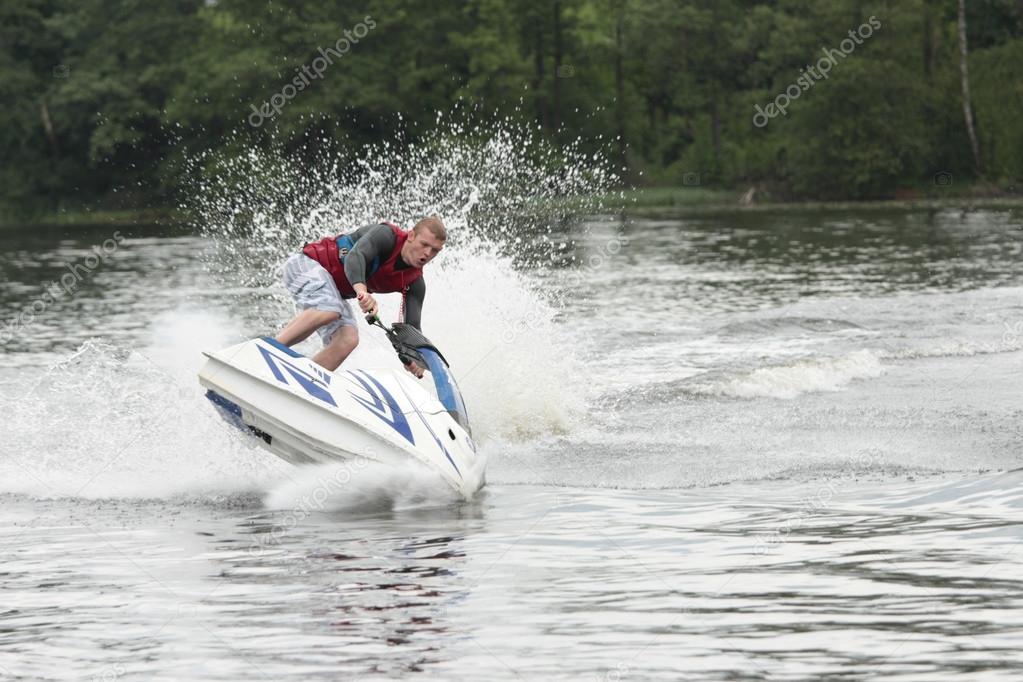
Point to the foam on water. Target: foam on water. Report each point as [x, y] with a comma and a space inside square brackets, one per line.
[108, 422]
[360, 486]
[809, 375]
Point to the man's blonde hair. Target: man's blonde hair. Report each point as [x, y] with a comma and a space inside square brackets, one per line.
[434, 225]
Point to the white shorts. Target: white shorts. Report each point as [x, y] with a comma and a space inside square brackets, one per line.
[311, 286]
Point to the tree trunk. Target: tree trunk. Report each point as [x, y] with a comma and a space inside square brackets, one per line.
[965, 77]
[44, 113]
[715, 113]
[620, 88]
[558, 75]
[715, 128]
[538, 79]
[928, 42]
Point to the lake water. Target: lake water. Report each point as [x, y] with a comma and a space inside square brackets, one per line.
[752, 445]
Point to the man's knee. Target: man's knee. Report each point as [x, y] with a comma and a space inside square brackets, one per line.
[346, 337]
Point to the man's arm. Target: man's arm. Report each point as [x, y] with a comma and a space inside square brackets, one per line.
[371, 241]
[414, 303]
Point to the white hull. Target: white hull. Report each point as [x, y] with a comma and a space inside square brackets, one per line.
[305, 414]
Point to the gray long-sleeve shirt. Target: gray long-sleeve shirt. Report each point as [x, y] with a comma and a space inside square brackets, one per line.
[377, 241]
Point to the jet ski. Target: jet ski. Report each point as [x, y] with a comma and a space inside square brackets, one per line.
[306, 414]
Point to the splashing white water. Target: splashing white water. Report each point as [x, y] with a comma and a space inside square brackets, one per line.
[360, 486]
[107, 422]
[504, 195]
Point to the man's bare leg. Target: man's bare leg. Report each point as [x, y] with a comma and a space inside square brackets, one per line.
[340, 347]
[304, 324]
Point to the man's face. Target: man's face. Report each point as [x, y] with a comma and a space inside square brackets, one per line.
[422, 248]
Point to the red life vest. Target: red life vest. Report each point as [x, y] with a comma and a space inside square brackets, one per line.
[384, 279]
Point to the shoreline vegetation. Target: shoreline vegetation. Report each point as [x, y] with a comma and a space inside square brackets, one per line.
[120, 106]
[698, 200]
[675, 200]
[86, 217]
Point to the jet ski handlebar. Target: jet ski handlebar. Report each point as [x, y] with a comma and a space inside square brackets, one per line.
[406, 340]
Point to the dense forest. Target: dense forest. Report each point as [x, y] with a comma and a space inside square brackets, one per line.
[799, 98]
